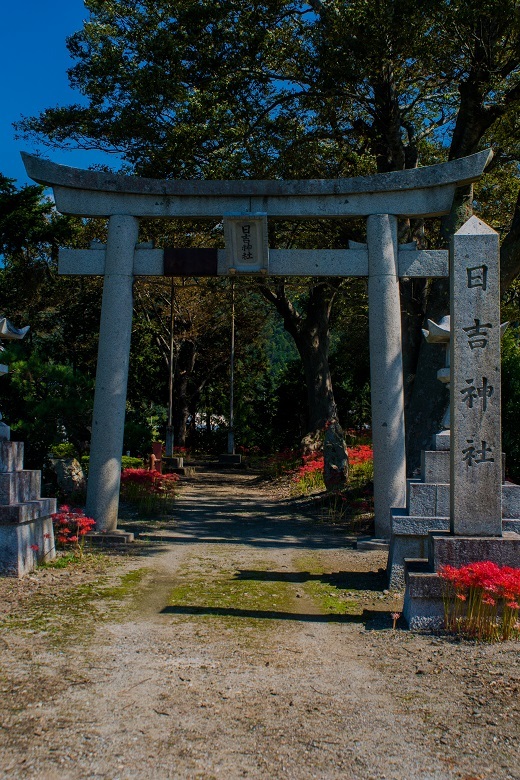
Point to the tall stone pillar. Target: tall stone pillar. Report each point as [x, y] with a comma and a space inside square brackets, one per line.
[386, 370]
[476, 449]
[112, 374]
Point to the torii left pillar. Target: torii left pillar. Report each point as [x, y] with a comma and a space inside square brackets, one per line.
[115, 331]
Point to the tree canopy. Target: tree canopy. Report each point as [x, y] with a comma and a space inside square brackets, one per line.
[324, 88]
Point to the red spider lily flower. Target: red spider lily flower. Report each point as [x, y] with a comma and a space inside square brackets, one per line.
[70, 524]
[489, 591]
[360, 454]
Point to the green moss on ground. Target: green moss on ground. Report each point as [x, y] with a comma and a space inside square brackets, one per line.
[233, 597]
[331, 599]
[73, 610]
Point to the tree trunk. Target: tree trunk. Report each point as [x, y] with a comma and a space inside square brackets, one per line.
[510, 251]
[180, 421]
[312, 338]
[183, 371]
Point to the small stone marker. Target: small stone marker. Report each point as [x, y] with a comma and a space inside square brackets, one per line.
[476, 460]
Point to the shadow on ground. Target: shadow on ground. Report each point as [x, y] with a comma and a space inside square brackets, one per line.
[373, 620]
[349, 580]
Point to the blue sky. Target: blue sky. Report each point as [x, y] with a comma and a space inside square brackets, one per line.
[33, 64]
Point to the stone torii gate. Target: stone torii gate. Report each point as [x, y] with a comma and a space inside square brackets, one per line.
[244, 207]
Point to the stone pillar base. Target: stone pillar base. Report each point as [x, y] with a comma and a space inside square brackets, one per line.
[172, 462]
[227, 459]
[26, 533]
[24, 545]
[109, 538]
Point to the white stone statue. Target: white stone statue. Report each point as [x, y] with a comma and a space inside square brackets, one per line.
[10, 333]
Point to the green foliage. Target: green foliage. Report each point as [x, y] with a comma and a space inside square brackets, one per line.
[267, 89]
[46, 404]
[511, 401]
[64, 450]
[139, 434]
[128, 462]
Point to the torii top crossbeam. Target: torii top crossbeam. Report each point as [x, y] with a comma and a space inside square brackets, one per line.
[419, 192]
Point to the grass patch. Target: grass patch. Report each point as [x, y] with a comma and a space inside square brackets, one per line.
[61, 562]
[226, 595]
[331, 599]
[126, 586]
[72, 611]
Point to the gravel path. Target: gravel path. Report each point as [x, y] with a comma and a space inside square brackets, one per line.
[243, 641]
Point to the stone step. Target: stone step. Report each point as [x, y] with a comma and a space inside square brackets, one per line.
[109, 538]
[416, 565]
[511, 501]
[404, 524]
[428, 500]
[435, 466]
[16, 487]
[418, 525]
[27, 511]
[433, 500]
[423, 606]
[459, 550]
[371, 543]
[11, 456]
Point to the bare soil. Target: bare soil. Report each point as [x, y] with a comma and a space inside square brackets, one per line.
[242, 639]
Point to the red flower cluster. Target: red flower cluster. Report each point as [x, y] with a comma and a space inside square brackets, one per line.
[254, 450]
[311, 463]
[360, 454]
[482, 600]
[151, 481]
[314, 462]
[497, 582]
[70, 524]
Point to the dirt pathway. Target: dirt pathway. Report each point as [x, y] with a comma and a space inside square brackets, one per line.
[244, 641]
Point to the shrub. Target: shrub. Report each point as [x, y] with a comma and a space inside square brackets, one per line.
[131, 463]
[64, 450]
[150, 491]
[308, 477]
[482, 600]
[126, 463]
[70, 525]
